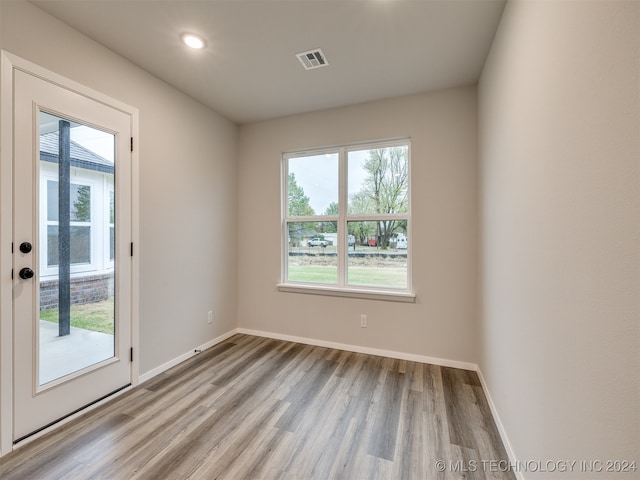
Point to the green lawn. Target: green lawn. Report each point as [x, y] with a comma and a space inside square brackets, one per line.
[313, 273]
[98, 316]
[392, 277]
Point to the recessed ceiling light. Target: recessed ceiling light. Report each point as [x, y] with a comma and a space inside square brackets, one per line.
[193, 41]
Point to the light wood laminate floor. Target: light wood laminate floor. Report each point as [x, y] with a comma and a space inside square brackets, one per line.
[256, 408]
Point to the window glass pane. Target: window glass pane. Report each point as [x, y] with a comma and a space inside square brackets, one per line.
[52, 201]
[80, 203]
[371, 264]
[312, 253]
[80, 197]
[313, 185]
[378, 180]
[80, 245]
[52, 246]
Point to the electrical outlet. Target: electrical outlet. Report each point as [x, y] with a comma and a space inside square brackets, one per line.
[363, 321]
[210, 317]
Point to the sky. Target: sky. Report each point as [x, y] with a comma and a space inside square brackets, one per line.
[99, 142]
[318, 177]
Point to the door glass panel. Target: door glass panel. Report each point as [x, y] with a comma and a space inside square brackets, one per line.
[76, 225]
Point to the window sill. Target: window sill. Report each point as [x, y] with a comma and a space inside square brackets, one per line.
[385, 295]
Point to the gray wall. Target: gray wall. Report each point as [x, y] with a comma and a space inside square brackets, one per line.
[442, 127]
[187, 185]
[559, 156]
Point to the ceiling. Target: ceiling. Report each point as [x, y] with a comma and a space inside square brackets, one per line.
[375, 48]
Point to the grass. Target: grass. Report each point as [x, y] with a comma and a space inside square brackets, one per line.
[392, 277]
[313, 273]
[98, 317]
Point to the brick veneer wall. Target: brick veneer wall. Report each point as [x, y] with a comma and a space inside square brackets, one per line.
[87, 289]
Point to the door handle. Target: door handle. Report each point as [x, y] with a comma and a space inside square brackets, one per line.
[26, 273]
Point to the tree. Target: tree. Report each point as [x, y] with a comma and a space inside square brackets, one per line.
[81, 210]
[332, 209]
[330, 227]
[362, 231]
[298, 204]
[360, 204]
[298, 201]
[387, 187]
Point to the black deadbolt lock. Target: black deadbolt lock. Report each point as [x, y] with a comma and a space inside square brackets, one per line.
[26, 273]
[25, 247]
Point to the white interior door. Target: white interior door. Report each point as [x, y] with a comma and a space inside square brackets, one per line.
[71, 252]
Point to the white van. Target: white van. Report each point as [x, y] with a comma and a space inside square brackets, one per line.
[401, 242]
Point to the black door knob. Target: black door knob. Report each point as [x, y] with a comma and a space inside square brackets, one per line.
[25, 247]
[26, 273]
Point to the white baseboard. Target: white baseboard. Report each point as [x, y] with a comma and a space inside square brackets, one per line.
[185, 356]
[501, 430]
[358, 349]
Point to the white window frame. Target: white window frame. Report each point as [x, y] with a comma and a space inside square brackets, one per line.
[341, 288]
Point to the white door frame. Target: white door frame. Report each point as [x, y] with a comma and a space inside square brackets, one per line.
[9, 63]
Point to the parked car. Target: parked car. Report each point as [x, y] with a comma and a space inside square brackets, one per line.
[317, 242]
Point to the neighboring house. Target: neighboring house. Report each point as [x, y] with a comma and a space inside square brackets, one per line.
[92, 224]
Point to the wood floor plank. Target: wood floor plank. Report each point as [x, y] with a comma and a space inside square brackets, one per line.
[385, 427]
[305, 393]
[250, 461]
[261, 409]
[410, 463]
[454, 381]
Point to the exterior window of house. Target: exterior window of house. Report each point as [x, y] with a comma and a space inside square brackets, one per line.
[80, 206]
[91, 198]
[347, 217]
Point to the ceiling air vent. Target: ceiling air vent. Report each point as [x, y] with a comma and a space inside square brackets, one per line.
[312, 59]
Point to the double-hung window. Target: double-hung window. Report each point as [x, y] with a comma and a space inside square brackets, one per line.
[347, 220]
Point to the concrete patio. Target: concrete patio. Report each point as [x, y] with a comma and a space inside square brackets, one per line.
[60, 356]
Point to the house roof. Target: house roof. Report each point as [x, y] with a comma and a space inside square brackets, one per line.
[81, 157]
